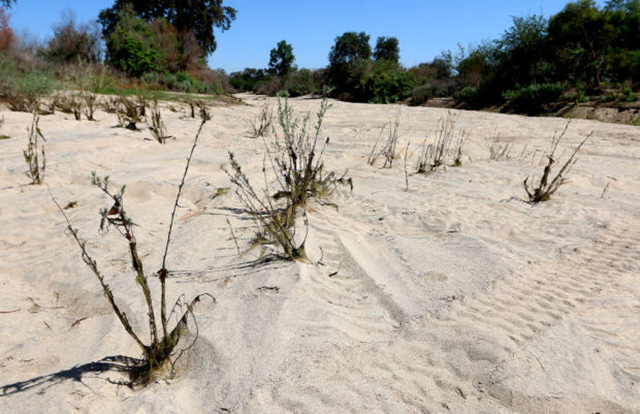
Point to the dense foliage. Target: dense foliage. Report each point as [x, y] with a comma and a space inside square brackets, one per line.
[197, 16]
[281, 59]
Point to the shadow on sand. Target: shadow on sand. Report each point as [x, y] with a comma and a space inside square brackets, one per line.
[130, 367]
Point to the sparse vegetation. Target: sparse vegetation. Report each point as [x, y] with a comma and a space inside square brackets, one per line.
[91, 103]
[388, 150]
[2, 136]
[275, 222]
[69, 103]
[498, 150]
[298, 167]
[262, 124]
[433, 156]
[164, 340]
[34, 155]
[297, 159]
[156, 124]
[128, 111]
[547, 185]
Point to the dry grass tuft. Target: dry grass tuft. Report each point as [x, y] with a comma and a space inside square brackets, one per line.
[433, 156]
[156, 124]
[388, 150]
[262, 125]
[34, 155]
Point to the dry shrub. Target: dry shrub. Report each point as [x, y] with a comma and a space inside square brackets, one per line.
[34, 155]
[163, 342]
[388, 150]
[547, 186]
[70, 104]
[275, 221]
[21, 102]
[262, 124]
[91, 103]
[498, 150]
[445, 149]
[128, 111]
[194, 104]
[298, 167]
[156, 124]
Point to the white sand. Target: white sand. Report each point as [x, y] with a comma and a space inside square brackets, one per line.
[447, 298]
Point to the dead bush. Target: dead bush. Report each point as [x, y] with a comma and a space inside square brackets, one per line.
[432, 156]
[160, 350]
[547, 185]
[34, 155]
[262, 124]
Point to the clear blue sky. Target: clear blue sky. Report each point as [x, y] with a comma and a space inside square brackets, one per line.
[424, 27]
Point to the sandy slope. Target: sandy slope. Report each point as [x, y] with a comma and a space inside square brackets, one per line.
[449, 297]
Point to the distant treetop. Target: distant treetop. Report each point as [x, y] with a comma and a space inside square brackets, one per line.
[199, 16]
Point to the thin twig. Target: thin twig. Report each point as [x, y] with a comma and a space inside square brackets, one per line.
[162, 273]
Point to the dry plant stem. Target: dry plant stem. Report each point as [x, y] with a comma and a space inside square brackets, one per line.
[90, 104]
[373, 155]
[160, 348]
[89, 261]
[604, 191]
[162, 273]
[389, 150]
[276, 222]
[157, 126]
[117, 217]
[262, 125]
[37, 166]
[546, 188]
[406, 173]
[434, 156]
[497, 150]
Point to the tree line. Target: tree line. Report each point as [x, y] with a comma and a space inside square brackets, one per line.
[583, 52]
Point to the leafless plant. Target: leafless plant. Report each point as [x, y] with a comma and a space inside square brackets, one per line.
[406, 172]
[163, 340]
[70, 104]
[91, 102]
[156, 124]
[21, 102]
[262, 124]
[547, 186]
[128, 111]
[388, 150]
[34, 155]
[498, 150]
[435, 155]
[275, 222]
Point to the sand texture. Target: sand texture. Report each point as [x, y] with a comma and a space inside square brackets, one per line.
[451, 297]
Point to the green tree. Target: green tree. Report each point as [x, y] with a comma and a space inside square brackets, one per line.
[199, 16]
[130, 47]
[387, 49]
[348, 61]
[281, 59]
[580, 33]
[349, 48]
